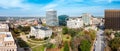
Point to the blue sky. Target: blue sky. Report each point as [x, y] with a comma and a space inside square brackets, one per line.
[68, 7]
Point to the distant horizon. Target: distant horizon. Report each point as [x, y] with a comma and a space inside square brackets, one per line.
[44, 16]
[63, 7]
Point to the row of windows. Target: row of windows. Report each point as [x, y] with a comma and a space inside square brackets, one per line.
[7, 50]
[7, 44]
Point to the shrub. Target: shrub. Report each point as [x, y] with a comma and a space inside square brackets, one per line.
[32, 36]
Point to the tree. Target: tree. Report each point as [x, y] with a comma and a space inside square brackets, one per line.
[92, 34]
[117, 34]
[16, 31]
[32, 37]
[81, 33]
[24, 29]
[72, 32]
[108, 32]
[85, 45]
[75, 43]
[22, 43]
[44, 24]
[50, 45]
[115, 43]
[65, 30]
[66, 47]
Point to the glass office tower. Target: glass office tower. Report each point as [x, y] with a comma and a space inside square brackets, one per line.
[86, 18]
[51, 18]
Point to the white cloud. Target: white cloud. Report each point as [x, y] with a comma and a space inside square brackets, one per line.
[77, 0]
[13, 4]
[19, 3]
[49, 6]
[109, 1]
[6, 4]
[61, 6]
[56, 3]
[100, 1]
[52, 5]
[115, 0]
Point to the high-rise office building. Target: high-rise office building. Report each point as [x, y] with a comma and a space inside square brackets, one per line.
[87, 18]
[112, 19]
[51, 18]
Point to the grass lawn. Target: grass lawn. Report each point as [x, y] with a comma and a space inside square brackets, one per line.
[66, 38]
[62, 49]
[30, 45]
[39, 48]
[53, 46]
[37, 42]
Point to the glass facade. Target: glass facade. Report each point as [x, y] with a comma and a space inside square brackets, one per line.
[51, 18]
[86, 18]
[63, 20]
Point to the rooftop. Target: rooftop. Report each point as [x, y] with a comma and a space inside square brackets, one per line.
[41, 27]
[113, 10]
[4, 26]
[6, 36]
[74, 19]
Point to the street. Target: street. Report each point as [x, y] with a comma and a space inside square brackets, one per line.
[99, 43]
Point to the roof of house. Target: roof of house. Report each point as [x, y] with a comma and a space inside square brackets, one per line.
[8, 36]
[41, 27]
[4, 26]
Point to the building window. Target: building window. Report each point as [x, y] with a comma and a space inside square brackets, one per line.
[8, 44]
[5, 44]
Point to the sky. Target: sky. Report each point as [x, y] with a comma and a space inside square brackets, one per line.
[63, 7]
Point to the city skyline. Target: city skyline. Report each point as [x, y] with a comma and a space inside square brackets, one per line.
[67, 7]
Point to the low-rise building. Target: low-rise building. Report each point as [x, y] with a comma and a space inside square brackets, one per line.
[93, 27]
[4, 28]
[40, 32]
[7, 42]
[74, 23]
[96, 21]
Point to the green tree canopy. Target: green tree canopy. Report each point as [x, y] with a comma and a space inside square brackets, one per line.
[66, 47]
[108, 32]
[115, 43]
[65, 30]
[85, 45]
[117, 34]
